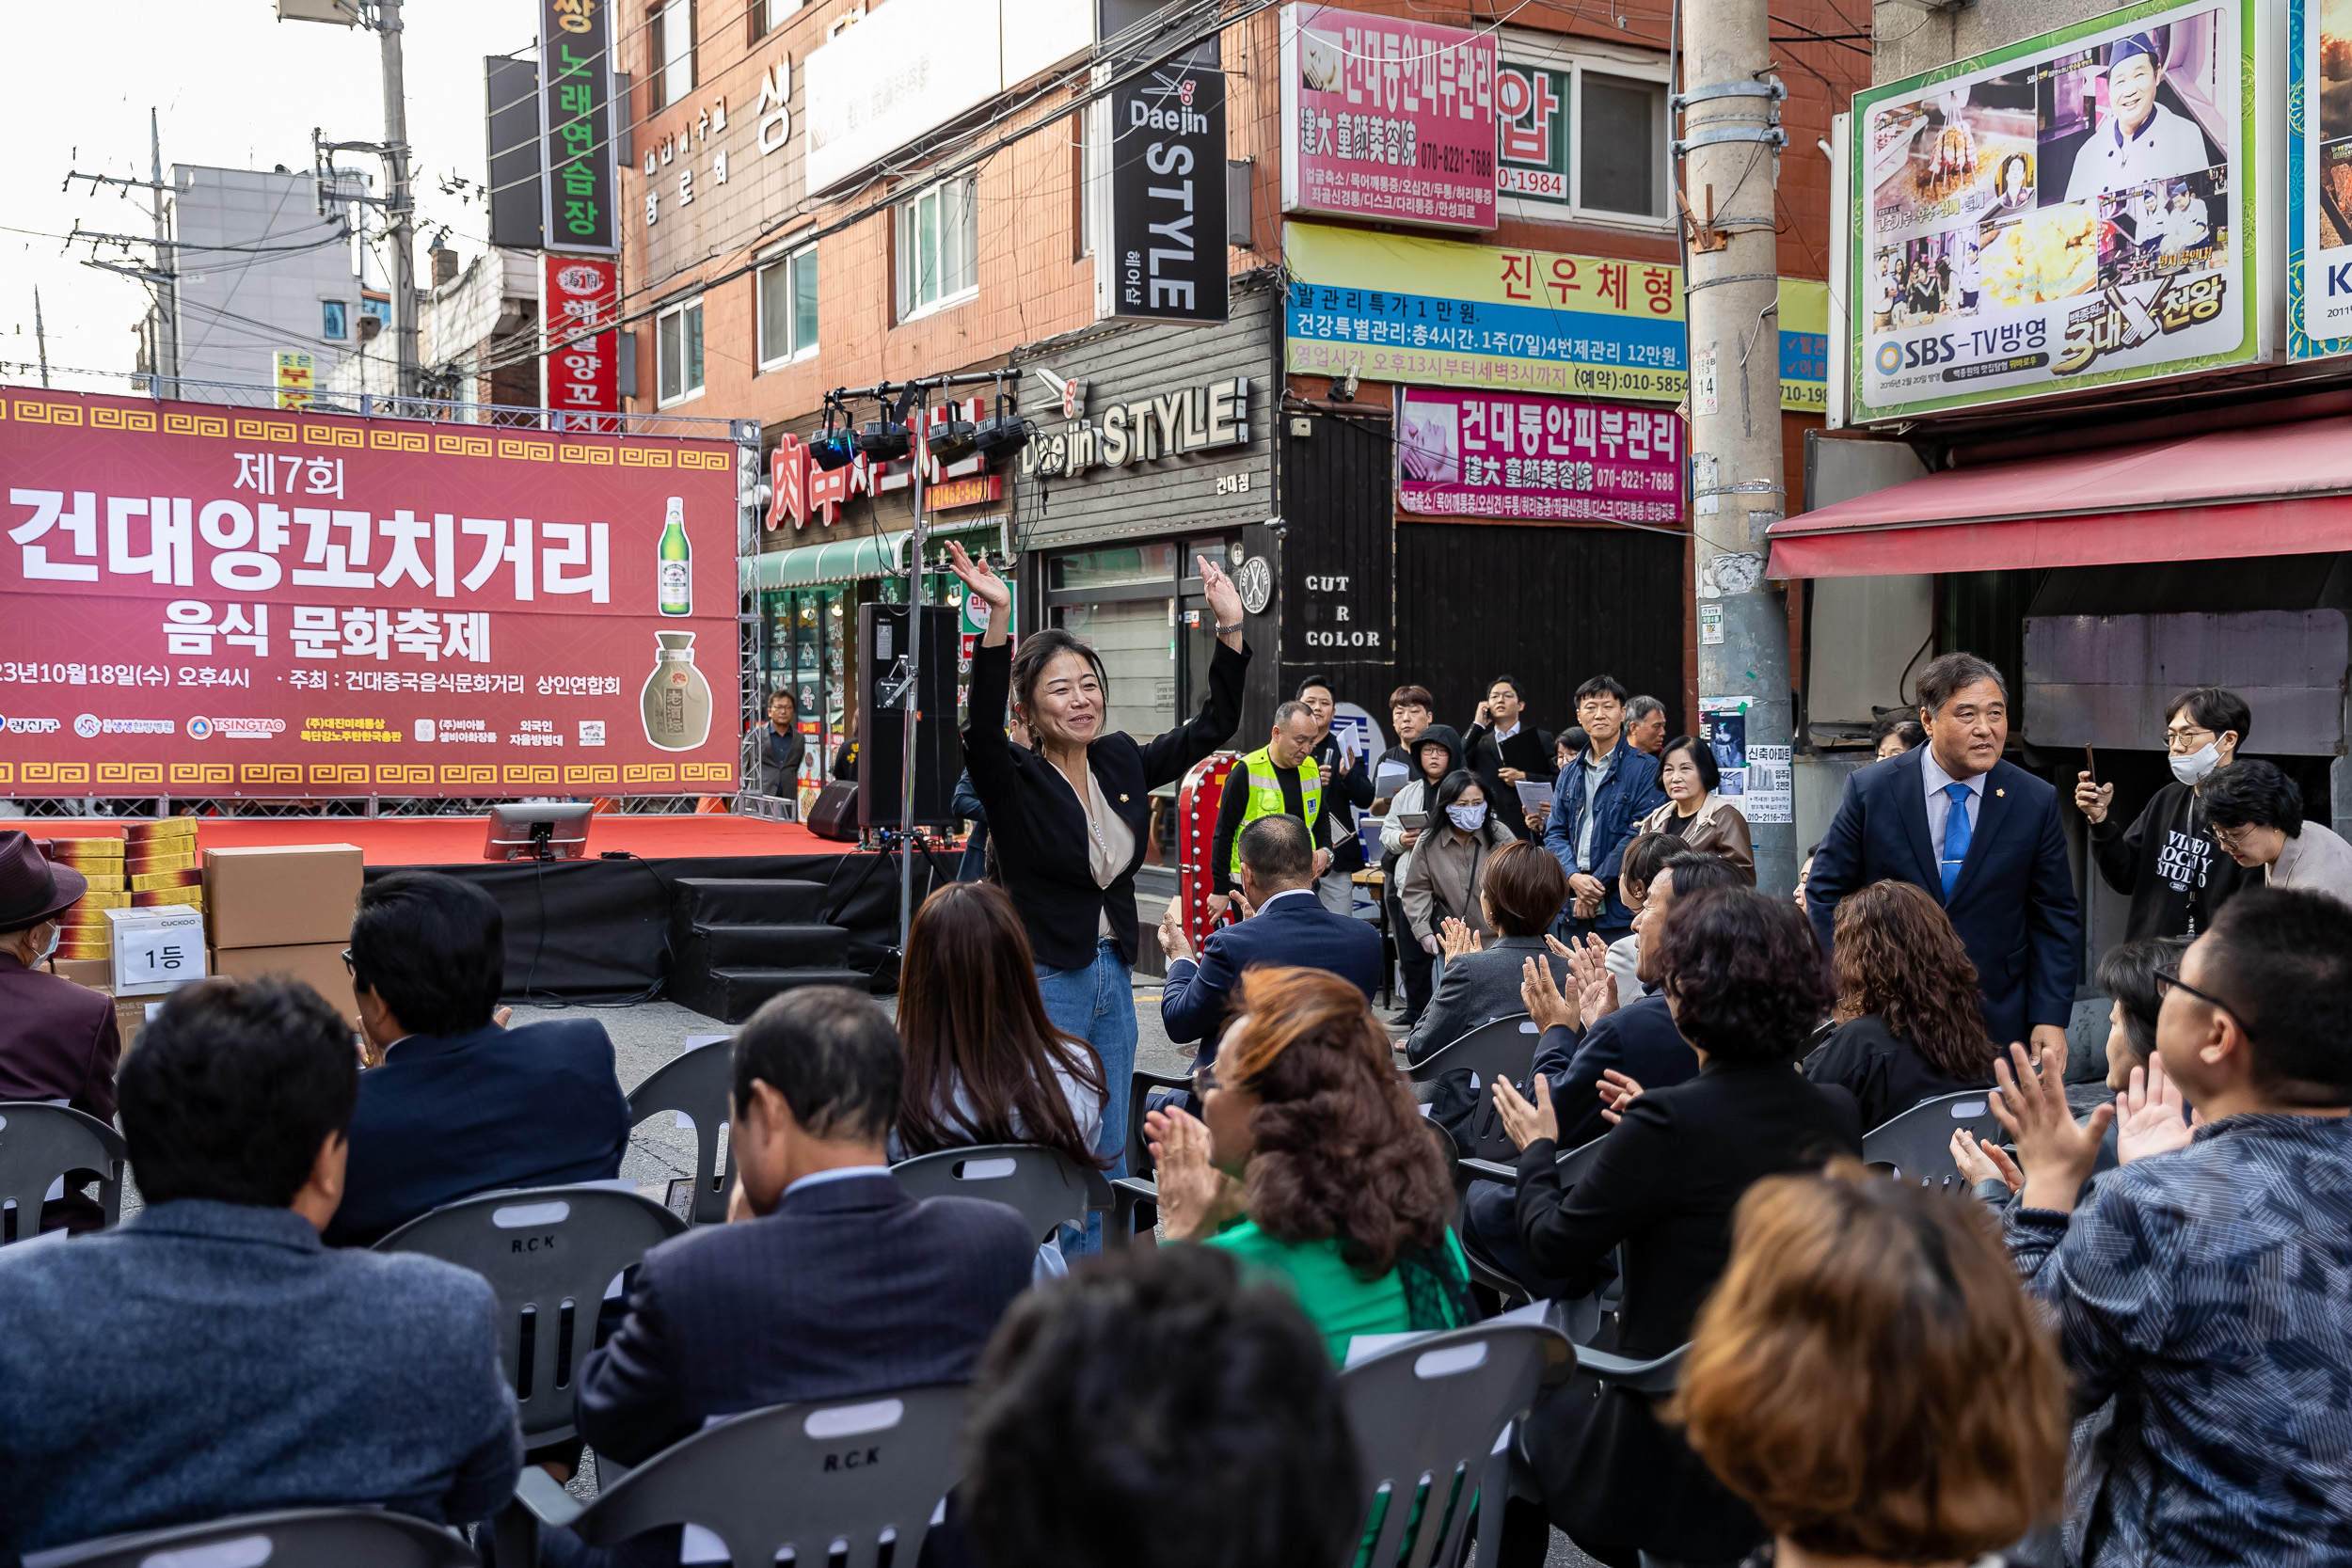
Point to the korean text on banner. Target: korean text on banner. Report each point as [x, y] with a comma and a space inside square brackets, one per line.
[583, 296]
[218, 602]
[1444, 313]
[1515, 454]
[2068, 212]
[1387, 118]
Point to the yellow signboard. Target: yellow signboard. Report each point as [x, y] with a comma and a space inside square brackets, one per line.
[296, 377]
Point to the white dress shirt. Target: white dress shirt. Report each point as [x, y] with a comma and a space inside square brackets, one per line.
[2167, 147]
[1940, 804]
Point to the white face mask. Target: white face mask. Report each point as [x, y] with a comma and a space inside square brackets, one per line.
[2195, 768]
[49, 948]
[1469, 818]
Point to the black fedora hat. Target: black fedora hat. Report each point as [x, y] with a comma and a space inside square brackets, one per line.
[32, 886]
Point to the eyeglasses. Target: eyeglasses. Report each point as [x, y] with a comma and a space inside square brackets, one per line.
[2169, 980]
[2230, 838]
[1203, 1080]
[2185, 735]
[349, 968]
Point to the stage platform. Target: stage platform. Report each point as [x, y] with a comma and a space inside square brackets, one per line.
[594, 929]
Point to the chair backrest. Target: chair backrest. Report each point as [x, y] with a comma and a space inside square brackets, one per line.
[832, 1481]
[283, 1538]
[551, 1253]
[1049, 1187]
[1426, 1415]
[697, 1083]
[1504, 1048]
[1139, 1086]
[1917, 1146]
[40, 1143]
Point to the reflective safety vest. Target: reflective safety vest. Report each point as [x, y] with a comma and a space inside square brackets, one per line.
[1265, 795]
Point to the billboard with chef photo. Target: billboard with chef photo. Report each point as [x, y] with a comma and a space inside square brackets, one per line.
[2070, 211]
[2319, 180]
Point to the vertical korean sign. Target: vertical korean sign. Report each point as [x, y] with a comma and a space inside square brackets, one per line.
[1387, 118]
[1166, 261]
[576, 125]
[215, 601]
[583, 296]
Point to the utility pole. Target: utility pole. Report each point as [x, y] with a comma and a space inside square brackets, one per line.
[402, 206]
[41, 337]
[167, 291]
[1729, 151]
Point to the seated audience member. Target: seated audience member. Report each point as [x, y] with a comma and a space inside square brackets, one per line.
[1869, 1379]
[827, 1281]
[1643, 855]
[2257, 816]
[462, 1105]
[1287, 925]
[1704, 820]
[1745, 987]
[1909, 1024]
[1311, 1163]
[60, 1042]
[1522, 894]
[1449, 866]
[2203, 1289]
[1143, 1365]
[210, 1356]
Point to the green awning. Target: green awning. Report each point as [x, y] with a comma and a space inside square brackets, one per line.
[846, 558]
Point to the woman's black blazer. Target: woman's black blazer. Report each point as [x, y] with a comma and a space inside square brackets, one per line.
[1039, 827]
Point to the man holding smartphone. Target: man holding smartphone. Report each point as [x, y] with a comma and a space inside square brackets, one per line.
[2167, 861]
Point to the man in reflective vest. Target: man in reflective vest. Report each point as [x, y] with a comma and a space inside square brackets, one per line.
[1279, 779]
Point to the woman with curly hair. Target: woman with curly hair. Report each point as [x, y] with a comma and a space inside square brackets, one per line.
[1910, 1022]
[1870, 1378]
[1312, 1165]
[1743, 979]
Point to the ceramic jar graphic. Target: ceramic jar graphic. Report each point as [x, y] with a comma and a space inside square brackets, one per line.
[676, 701]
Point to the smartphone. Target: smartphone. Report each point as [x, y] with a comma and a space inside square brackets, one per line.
[2091, 765]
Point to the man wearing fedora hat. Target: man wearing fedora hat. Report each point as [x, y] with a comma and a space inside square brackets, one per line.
[57, 1039]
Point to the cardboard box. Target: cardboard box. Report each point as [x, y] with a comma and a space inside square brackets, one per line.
[191, 897]
[131, 1015]
[293, 895]
[168, 830]
[318, 965]
[156, 950]
[97, 973]
[181, 859]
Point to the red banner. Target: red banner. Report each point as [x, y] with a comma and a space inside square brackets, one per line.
[217, 601]
[584, 375]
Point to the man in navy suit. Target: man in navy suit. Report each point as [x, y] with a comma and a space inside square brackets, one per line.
[461, 1105]
[1979, 834]
[1290, 927]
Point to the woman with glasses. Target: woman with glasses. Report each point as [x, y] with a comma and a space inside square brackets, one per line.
[2165, 862]
[2257, 816]
[1311, 1164]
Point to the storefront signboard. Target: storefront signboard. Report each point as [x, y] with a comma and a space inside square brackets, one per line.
[583, 182]
[1443, 313]
[2319, 178]
[1387, 118]
[582, 302]
[1518, 454]
[1165, 260]
[2070, 211]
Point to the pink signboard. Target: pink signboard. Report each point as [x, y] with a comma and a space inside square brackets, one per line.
[1509, 454]
[1387, 118]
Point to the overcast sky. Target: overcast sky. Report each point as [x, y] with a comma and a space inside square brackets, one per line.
[236, 89]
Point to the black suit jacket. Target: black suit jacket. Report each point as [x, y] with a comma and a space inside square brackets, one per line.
[1290, 929]
[1039, 826]
[1528, 749]
[2013, 904]
[1639, 1039]
[1664, 1186]
[850, 1288]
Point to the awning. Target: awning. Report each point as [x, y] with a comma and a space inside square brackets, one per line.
[2283, 489]
[847, 557]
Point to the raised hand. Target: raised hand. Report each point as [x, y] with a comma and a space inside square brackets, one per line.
[1982, 1160]
[1545, 1006]
[1173, 942]
[1456, 938]
[1588, 968]
[2092, 800]
[2150, 1116]
[1224, 599]
[1616, 1090]
[1523, 1123]
[2057, 1156]
[1195, 1196]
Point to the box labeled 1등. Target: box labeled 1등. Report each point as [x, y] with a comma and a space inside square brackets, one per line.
[156, 949]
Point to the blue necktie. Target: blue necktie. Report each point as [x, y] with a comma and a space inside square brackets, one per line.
[1956, 835]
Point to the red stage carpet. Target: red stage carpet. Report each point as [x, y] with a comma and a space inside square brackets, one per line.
[387, 841]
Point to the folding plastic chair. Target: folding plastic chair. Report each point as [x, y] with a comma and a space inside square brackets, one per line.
[699, 1084]
[40, 1144]
[1137, 1190]
[1502, 1048]
[1048, 1187]
[1917, 1146]
[283, 1538]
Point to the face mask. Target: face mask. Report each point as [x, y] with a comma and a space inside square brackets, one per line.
[2193, 768]
[1469, 818]
[49, 948]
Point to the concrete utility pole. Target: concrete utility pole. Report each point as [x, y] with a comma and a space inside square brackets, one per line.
[401, 207]
[167, 289]
[41, 337]
[1729, 155]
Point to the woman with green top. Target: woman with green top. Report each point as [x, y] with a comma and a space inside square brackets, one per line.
[1312, 1165]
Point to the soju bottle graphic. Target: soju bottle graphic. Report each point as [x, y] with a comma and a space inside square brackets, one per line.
[675, 574]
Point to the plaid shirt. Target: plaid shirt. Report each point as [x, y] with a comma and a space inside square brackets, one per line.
[2208, 1292]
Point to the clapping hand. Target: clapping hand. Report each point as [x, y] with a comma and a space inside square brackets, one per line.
[1545, 1006]
[1617, 1091]
[2149, 1117]
[1982, 1160]
[1196, 1197]
[1455, 939]
[2057, 1156]
[1523, 1123]
[1588, 970]
[1173, 942]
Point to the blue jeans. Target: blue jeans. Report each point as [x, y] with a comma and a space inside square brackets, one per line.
[1098, 1005]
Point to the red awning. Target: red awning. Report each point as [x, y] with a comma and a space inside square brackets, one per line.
[2283, 489]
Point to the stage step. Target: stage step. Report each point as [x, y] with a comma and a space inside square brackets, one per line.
[746, 901]
[734, 993]
[766, 946]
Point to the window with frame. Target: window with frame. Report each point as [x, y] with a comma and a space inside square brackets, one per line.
[769, 15]
[939, 246]
[677, 332]
[670, 37]
[1576, 140]
[788, 308]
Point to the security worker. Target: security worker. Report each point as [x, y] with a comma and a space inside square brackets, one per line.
[1279, 779]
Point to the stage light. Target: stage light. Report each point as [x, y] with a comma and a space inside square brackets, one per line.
[1000, 435]
[882, 440]
[952, 440]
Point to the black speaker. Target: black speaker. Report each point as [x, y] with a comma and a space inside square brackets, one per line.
[834, 813]
[882, 646]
